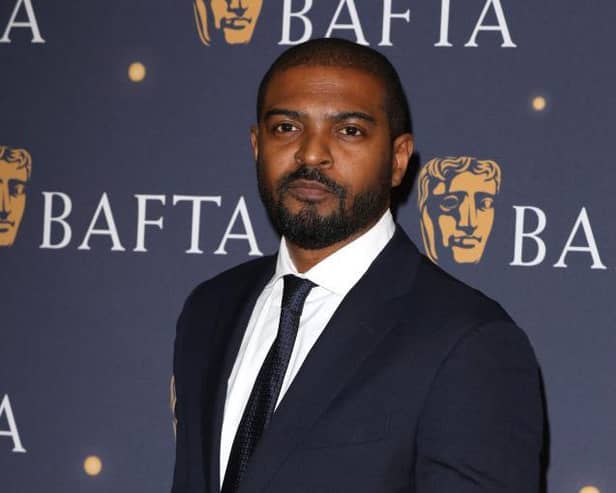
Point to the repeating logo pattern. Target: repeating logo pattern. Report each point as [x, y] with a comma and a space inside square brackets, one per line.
[15, 171]
[235, 18]
[456, 205]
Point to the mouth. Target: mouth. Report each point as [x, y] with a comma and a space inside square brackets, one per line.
[236, 23]
[465, 241]
[308, 190]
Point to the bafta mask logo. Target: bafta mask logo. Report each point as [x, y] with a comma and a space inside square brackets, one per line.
[15, 170]
[235, 18]
[456, 204]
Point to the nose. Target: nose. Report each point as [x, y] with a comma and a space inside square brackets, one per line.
[4, 201]
[236, 7]
[314, 151]
[468, 215]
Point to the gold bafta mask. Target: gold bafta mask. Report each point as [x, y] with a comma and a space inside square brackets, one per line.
[15, 170]
[236, 19]
[456, 205]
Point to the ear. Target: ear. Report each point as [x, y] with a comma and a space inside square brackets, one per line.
[402, 150]
[254, 141]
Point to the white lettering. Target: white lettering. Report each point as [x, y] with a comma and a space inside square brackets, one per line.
[249, 235]
[287, 16]
[48, 219]
[142, 222]
[355, 24]
[444, 40]
[5, 408]
[32, 24]
[590, 247]
[520, 234]
[388, 15]
[112, 231]
[501, 26]
[196, 217]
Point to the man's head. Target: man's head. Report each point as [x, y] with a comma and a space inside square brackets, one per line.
[340, 53]
[236, 19]
[15, 170]
[332, 139]
[456, 203]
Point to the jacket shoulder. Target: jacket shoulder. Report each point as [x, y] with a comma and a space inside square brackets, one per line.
[456, 298]
[457, 320]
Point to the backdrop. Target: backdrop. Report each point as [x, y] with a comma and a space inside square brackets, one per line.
[119, 193]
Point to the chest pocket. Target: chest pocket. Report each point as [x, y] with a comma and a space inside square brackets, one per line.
[362, 426]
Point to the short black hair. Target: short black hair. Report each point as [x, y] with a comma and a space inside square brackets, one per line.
[335, 52]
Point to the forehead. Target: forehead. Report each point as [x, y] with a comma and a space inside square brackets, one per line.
[11, 170]
[307, 88]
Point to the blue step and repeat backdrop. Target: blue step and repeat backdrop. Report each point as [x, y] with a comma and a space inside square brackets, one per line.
[126, 178]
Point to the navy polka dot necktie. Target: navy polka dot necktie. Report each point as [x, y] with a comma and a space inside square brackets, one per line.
[264, 394]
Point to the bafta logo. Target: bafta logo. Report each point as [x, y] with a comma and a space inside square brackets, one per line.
[15, 170]
[235, 18]
[456, 204]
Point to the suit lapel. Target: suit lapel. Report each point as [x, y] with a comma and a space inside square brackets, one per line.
[364, 317]
[232, 323]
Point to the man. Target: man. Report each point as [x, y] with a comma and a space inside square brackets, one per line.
[348, 362]
[456, 203]
[15, 170]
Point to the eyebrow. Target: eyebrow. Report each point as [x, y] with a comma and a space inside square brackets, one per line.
[349, 115]
[283, 112]
[337, 117]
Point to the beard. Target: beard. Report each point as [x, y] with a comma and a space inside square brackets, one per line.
[312, 231]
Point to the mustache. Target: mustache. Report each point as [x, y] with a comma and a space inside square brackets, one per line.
[311, 174]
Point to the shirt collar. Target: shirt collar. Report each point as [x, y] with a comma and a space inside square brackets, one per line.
[340, 271]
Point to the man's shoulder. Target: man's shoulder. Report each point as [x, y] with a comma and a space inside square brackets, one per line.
[446, 316]
[431, 290]
[450, 298]
[463, 314]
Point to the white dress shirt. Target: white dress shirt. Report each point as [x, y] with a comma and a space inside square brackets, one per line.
[334, 277]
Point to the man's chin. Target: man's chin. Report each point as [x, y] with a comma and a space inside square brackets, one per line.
[307, 228]
[322, 207]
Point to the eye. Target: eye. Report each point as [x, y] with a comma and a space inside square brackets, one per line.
[285, 127]
[449, 203]
[486, 203]
[16, 188]
[351, 131]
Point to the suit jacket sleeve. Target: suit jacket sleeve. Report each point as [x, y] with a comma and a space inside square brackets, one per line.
[481, 427]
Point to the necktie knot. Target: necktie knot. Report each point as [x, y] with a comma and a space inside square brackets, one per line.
[295, 292]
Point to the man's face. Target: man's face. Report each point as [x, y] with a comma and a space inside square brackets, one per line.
[464, 211]
[12, 200]
[237, 18]
[325, 158]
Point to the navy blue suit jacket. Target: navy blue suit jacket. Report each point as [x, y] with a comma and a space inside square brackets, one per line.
[417, 384]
